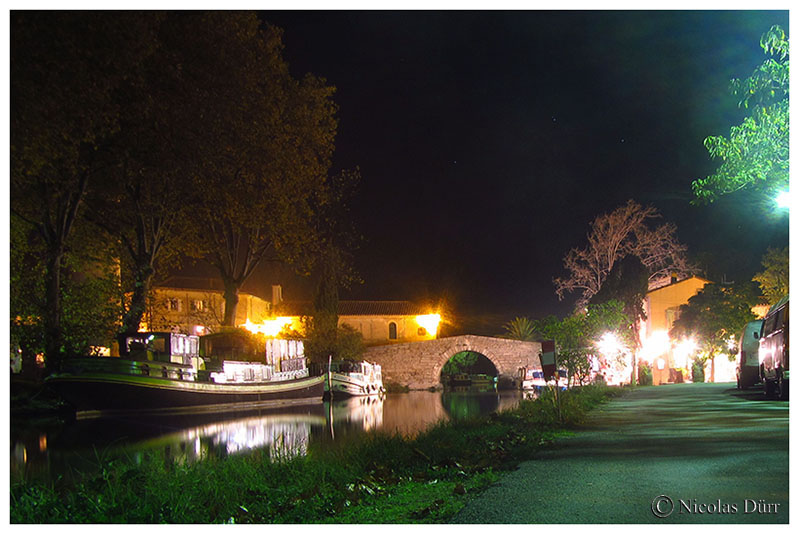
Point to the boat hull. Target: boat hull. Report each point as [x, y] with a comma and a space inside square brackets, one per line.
[108, 392]
[342, 385]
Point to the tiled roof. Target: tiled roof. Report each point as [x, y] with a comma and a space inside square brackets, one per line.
[358, 308]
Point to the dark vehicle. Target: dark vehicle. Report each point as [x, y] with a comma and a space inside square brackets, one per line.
[773, 351]
[747, 365]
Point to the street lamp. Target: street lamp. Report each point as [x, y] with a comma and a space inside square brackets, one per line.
[783, 199]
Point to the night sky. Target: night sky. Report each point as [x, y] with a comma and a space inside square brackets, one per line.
[489, 141]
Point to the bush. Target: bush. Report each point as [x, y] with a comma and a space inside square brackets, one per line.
[645, 375]
[698, 372]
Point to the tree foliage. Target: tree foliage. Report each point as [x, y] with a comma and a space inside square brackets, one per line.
[625, 231]
[265, 143]
[65, 71]
[756, 152]
[715, 315]
[520, 329]
[774, 280]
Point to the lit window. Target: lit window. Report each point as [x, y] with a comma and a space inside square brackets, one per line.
[173, 303]
[392, 330]
[198, 305]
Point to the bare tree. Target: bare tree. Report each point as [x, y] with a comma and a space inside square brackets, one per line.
[625, 231]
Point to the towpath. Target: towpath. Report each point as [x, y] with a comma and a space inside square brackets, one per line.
[687, 453]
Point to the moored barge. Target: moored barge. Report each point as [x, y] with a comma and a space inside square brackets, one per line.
[166, 373]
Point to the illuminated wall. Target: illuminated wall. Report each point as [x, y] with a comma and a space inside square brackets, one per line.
[661, 305]
[188, 310]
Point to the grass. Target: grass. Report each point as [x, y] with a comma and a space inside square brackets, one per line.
[379, 478]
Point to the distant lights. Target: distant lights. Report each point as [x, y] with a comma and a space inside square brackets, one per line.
[271, 327]
[429, 322]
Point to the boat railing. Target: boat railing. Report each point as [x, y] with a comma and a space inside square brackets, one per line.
[119, 365]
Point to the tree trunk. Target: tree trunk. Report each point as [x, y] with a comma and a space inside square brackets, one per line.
[52, 317]
[231, 296]
[141, 288]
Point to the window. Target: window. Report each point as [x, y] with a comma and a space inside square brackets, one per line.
[198, 305]
[174, 304]
[392, 330]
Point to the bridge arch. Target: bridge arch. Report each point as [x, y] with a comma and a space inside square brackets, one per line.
[418, 365]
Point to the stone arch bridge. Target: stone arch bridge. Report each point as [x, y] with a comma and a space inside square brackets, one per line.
[418, 365]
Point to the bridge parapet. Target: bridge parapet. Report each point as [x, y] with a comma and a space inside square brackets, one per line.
[418, 365]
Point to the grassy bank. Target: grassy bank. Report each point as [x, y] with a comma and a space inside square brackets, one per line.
[378, 479]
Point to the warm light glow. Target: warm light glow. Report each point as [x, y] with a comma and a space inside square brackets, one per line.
[430, 322]
[609, 345]
[271, 327]
[656, 345]
[732, 343]
[683, 350]
[783, 199]
[199, 330]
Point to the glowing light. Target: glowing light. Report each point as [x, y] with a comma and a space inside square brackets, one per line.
[732, 344]
[430, 322]
[271, 327]
[609, 345]
[683, 350]
[656, 345]
[783, 199]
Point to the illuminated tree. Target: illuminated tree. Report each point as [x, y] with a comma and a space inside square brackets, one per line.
[623, 232]
[715, 316]
[65, 70]
[575, 335]
[756, 152]
[774, 280]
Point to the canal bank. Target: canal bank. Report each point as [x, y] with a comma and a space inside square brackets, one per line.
[377, 478]
[686, 453]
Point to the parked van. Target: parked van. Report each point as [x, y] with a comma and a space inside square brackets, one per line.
[747, 364]
[773, 351]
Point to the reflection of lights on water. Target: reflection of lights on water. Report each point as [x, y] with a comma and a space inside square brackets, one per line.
[43, 443]
[283, 436]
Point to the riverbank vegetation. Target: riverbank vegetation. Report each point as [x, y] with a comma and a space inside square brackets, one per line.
[378, 479]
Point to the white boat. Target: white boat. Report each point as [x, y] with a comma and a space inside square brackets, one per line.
[349, 378]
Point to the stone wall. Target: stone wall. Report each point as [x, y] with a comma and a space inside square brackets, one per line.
[417, 365]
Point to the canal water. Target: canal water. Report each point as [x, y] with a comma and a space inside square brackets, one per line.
[50, 452]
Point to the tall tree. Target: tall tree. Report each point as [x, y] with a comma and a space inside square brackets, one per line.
[774, 280]
[65, 69]
[145, 202]
[756, 152]
[625, 231]
[627, 284]
[267, 141]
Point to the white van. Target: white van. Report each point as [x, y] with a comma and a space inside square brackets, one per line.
[747, 358]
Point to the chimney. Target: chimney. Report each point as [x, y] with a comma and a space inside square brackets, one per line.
[277, 295]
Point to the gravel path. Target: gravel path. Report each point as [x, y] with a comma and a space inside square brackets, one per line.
[715, 454]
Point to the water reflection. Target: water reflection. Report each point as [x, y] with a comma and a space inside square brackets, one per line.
[52, 452]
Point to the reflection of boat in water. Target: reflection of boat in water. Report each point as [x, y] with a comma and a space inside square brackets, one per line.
[164, 372]
[458, 379]
[366, 412]
[282, 432]
[482, 380]
[350, 378]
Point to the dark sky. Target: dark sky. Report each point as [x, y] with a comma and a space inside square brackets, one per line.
[489, 141]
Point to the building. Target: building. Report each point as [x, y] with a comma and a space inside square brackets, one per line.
[379, 322]
[200, 310]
